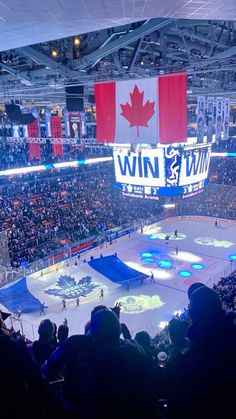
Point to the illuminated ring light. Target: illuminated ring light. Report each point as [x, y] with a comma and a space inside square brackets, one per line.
[198, 266]
[185, 274]
[232, 257]
[146, 255]
[147, 260]
[165, 264]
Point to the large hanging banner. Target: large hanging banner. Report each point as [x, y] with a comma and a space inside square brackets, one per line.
[83, 125]
[210, 114]
[47, 120]
[142, 111]
[66, 123]
[226, 118]
[56, 130]
[200, 118]
[75, 121]
[219, 114]
[33, 132]
[15, 130]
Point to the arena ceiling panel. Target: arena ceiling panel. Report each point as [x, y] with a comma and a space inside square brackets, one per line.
[34, 21]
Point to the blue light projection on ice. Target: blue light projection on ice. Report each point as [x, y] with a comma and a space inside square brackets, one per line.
[232, 257]
[198, 266]
[165, 264]
[146, 255]
[147, 260]
[185, 273]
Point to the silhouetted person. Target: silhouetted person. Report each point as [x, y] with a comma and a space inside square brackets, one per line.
[101, 294]
[44, 346]
[152, 277]
[103, 372]
[208, 368]
[62, 334]
[42, 309]
[63, 301]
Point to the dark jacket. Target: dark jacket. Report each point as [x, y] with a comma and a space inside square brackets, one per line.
[106, 382]
[202, 381]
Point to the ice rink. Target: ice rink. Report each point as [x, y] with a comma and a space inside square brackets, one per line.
[200, 253]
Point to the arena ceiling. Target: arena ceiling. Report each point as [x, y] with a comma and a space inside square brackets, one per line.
[34, 21]
[119, 40]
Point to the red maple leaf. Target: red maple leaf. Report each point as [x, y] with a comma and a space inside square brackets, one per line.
[137, 114]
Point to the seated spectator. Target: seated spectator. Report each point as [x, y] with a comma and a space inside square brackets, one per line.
[42, 348]
[22, 387]
[62, 334]
[201, 383]
[178, 335]
[103, 373]
[144, 340]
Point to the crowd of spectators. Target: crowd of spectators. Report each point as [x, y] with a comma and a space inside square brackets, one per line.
[187, 371]
[226, 287]
[215, 200]
[42, 211]
[225, 145]
[223, 170]
[17, 154]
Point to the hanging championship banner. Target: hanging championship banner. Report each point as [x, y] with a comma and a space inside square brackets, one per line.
[34, 132]
[219, 114]
[83, 124]
[66, 123]
[15, 130]
[56, 130]
[25, 126]
[210, 114]
[75, 121]
[200, 118]
[226, 118]
[47, 119]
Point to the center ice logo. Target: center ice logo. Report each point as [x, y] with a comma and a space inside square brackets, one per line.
[68, 288]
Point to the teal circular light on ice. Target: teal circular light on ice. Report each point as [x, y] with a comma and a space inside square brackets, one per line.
[165, 264]
[185, 273]
[146, 255]
[232, 257]
[198, 266]
[147, 260]
[153, 237]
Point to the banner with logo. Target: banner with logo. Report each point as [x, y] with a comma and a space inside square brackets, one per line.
[56, 131]
[226, 118]
[219, 115]
[74, 121]
[47, 120]
[200, 118]
[25, 126]
[210, 114]
[33, 132]
[66, 123]
[83, 124]
[15, 130]
[142, 111]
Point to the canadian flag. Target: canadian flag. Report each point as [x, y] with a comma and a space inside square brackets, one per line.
[145, 111]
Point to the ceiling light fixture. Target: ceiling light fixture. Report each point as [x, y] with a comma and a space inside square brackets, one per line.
[77, 41]
[54, 53]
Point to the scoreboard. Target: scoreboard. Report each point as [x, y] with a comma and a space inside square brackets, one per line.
[164, 171]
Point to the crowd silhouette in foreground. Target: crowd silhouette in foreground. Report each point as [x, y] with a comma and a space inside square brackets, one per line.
[186, 371]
